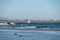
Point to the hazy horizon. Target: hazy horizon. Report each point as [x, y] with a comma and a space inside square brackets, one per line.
[30, 9]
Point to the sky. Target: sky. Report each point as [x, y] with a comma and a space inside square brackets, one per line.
[30, 9]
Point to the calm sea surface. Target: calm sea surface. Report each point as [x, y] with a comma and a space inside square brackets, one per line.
[29, 35]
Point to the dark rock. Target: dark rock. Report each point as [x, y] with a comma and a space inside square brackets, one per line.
[15, 34]
[20, 35]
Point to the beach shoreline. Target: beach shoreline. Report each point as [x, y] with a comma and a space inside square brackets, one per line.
[36, 29]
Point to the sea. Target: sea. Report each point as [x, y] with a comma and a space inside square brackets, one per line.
[37, 24]
[29, 35]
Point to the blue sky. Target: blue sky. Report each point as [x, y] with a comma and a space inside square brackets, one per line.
[30, 9]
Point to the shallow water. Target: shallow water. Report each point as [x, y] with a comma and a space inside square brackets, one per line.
[29, 35]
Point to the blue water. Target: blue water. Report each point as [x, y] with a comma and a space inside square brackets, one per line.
[29, 35]
[37, 24]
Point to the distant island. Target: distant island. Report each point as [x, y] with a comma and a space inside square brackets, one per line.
[26, 20]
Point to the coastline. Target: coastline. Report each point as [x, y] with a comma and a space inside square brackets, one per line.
[35, 29]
